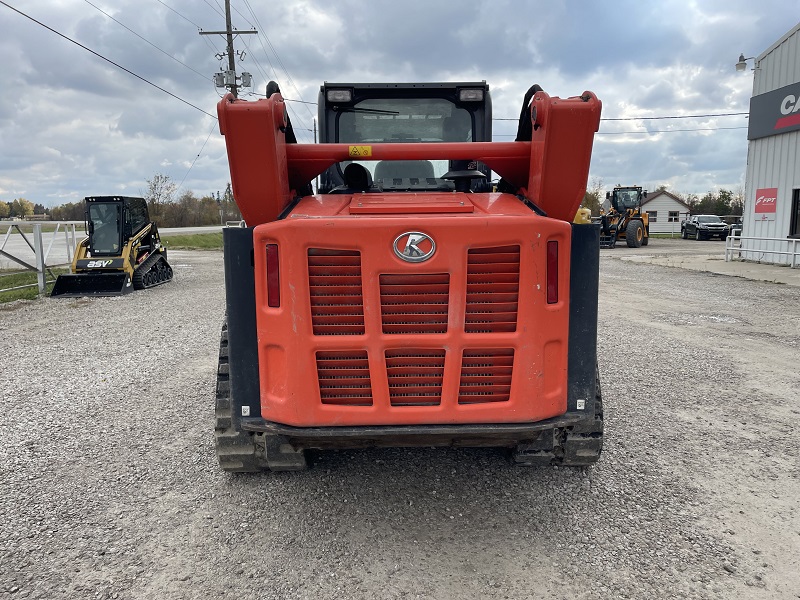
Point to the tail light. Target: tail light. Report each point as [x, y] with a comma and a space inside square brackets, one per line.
[273, 277]
[552, 272]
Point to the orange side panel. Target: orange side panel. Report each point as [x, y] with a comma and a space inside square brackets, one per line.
[364, 338]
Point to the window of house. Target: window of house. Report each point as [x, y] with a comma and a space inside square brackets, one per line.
[653, 214]
[794, 227]
[674, 217]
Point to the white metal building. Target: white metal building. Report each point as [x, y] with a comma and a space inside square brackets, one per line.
[772, 188]
[666, 211]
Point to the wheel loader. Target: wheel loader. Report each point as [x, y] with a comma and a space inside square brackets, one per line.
[121, 253]
[624, 219]
[405, 303]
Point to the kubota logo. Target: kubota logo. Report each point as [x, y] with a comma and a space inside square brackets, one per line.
[414, 247]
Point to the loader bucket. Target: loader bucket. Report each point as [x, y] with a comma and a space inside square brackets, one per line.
[92, 284]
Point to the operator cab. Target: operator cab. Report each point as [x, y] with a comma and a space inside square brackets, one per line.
[366, 114]
[112, 220]
[624, 199]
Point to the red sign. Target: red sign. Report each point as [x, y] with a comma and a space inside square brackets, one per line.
[766, 200]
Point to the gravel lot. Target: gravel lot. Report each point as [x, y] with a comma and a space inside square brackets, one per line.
[109, 486]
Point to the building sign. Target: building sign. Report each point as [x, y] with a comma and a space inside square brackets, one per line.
[766, 204]
[775, 112]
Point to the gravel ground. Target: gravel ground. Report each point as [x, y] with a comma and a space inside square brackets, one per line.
[109, 486]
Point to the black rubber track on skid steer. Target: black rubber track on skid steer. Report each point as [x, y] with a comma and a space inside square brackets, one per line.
[578, 446]
[152, 272]
[242, 451]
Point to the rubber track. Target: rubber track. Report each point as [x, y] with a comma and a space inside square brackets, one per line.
[578, 446]
[152, 262]
[237, 451]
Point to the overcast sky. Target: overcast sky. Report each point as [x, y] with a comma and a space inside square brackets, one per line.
[73, 125]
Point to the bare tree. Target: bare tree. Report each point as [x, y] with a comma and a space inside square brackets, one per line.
[593, 198]
[160, 191]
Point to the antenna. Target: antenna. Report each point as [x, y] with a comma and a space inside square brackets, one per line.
[228, 78]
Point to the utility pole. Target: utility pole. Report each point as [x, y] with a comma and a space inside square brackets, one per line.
[228, 78]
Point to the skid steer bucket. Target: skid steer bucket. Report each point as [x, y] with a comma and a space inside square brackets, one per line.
[92, 284]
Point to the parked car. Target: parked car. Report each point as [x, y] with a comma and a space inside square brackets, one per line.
[704, 227]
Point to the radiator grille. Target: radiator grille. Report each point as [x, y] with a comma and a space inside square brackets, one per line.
[485, 376]
[415, 304]
[344, 378]
[337, 304]
[415, 376]
[492, 290]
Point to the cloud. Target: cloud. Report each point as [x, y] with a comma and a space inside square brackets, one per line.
[74, 125]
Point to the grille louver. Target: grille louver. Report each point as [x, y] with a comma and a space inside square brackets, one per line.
[344, 378]
[335, 289]
[485, 376]
[492, 290]
[415, 376]
[415, 304]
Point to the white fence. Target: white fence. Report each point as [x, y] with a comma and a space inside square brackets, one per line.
[36, 251]
[762, 249]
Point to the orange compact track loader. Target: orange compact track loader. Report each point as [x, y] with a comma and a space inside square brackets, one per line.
[406, 303]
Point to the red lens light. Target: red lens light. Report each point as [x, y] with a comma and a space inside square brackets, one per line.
[552, 272]
[273, 277]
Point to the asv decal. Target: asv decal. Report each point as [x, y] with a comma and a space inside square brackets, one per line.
[98, 264]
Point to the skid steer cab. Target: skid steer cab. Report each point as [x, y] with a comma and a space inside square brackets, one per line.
[121, 253]
[407, 303]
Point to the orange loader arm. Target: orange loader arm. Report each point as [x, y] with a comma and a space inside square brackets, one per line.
[551, 170]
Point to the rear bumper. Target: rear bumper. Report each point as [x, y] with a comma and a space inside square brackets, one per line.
[410, 436]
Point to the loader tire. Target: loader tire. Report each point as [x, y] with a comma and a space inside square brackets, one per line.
[634, 234]
[578, 446]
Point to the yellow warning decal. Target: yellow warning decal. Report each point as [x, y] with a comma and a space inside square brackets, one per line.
[360, 151]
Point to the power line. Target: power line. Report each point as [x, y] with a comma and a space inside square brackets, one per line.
[735, 114]
[656, 118]
[146, 40]
[108, 60]
[213, 126]
[215, 9]
[179, 14]
[643, 132]
[296, 115]
[666, 130]
[280, 62]
[185, 18]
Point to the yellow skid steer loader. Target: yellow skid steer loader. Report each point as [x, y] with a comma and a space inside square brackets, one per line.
[121, 253]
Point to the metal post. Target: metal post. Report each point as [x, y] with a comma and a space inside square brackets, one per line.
[39, 252]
